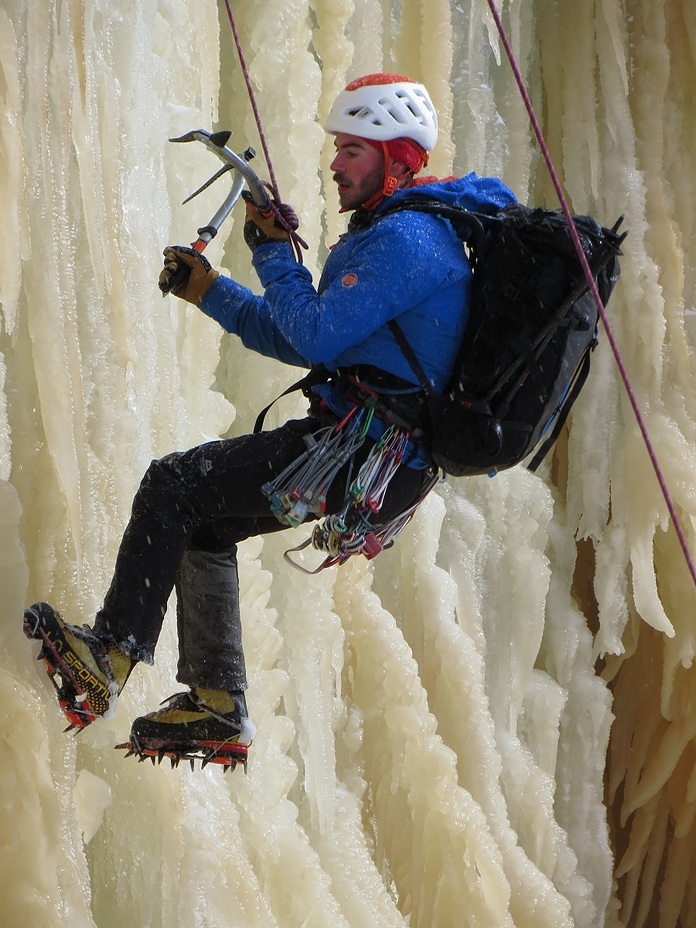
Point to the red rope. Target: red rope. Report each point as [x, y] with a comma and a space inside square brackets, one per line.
[595, 292]
[252, 100]
[295, 241]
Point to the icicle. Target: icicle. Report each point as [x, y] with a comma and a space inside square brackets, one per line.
[431, 724]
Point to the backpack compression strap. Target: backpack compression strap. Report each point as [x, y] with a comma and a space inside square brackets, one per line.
[570, 397]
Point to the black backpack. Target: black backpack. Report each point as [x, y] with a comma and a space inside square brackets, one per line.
[532, 327]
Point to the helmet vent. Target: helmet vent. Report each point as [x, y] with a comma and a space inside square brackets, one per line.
[385, 107]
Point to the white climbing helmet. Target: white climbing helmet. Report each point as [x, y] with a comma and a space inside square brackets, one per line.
[383, 107]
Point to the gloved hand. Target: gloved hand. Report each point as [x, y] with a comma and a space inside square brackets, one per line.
[262, 228]
[197, 278]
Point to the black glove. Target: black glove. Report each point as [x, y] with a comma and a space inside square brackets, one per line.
[186, 274]
[262, 228]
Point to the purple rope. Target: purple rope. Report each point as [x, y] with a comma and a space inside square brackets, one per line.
[595, 292]
[295, 240]
[252, 100]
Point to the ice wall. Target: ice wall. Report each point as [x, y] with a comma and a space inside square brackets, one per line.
[433, 726]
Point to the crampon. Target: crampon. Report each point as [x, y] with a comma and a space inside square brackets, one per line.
[228, 755]
[82, 696]
[188, 729]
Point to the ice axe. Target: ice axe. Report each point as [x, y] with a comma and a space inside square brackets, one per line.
[244, 175]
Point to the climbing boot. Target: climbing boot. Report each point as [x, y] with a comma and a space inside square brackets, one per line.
[88, 673]
[207, 725]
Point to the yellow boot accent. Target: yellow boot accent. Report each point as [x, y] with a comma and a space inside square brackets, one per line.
[121, 665]
[218, 700]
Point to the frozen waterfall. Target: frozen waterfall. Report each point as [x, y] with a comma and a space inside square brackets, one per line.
[491, 725]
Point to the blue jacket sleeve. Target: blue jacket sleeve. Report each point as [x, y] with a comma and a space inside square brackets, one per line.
[408, 263]
[391, 268]
[242, 313]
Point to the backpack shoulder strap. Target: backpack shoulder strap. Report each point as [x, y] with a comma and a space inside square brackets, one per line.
[410, 356]
[470, 228]
[318, 374]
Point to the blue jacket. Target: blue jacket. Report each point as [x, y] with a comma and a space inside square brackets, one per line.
[409, 266]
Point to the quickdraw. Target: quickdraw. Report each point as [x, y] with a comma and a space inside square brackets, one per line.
[299, 492]
[351, 531]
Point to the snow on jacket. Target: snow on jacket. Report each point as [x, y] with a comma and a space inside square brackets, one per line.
[408, 266]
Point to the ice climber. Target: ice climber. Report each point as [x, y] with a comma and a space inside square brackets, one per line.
[194, 507]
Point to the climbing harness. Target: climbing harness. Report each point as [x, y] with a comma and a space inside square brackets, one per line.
[299, 492]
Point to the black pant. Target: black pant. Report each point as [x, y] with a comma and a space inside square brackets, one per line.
[189, 514]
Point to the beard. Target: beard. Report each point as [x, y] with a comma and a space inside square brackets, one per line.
[355, 194]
